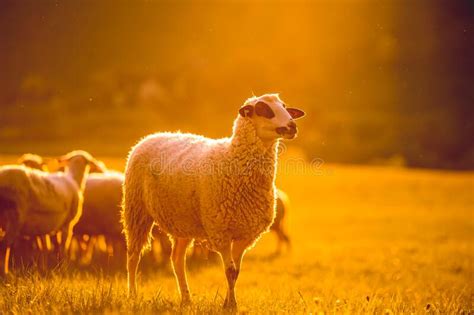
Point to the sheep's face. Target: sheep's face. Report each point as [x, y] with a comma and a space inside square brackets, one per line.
[271, 117]
[32, 161]
[98, 167]
[33, 164]
[79, 159]
[77, 162]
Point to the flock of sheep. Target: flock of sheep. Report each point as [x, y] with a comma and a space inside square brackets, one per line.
[177, 187]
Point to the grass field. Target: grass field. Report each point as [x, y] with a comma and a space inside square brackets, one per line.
[365, 240]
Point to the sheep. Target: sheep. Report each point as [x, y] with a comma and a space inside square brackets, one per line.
[282, 204]
[32, 161]
[36, 161]
[25, 247]
[278, 228]
[220, 192]
[102, 199]
[101, 207]
[34, 202]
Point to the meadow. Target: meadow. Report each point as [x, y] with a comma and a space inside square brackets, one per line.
[365, 239]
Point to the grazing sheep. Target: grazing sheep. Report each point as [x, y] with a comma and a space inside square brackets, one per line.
[101, 208]
[34, 202]
[27, 247]
[102, 199]
[220, 192]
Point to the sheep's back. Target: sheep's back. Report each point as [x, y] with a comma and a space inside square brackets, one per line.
[101, 208]
[44, 201]
[165, 171]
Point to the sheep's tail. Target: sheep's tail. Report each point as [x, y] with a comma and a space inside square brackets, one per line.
[137, 223]
[9, 218]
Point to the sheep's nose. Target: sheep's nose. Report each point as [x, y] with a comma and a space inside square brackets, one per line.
[292, 125]
[282, 130]
[290, 128]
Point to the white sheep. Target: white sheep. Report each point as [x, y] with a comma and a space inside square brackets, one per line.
[34, 202]
[278, 227]
[101, 207]
[221, 192]
[32, 161]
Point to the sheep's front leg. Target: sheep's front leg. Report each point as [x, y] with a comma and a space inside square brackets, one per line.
[238, 250]
[178, 257]
[66, 239]
[231, 274]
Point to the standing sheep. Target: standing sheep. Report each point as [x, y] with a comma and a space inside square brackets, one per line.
[36, 161]
[220, 191]
[35, 203]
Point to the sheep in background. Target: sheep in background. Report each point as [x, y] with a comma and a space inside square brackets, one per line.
[221, 191]
[27, 249]
[34, 202]
[36, 161]
[101, 210]
[278, 226]
[32, 161]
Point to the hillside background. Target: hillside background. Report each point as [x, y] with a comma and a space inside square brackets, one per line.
[384, 82]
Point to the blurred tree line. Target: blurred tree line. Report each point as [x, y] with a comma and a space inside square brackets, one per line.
[382, 82]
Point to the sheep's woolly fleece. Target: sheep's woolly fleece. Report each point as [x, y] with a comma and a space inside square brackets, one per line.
[33, 202]
[195, 187]
[101, 208]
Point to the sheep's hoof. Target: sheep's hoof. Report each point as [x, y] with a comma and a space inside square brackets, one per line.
[4, 276]
[132, 294]
[230, 305]
[185, 302]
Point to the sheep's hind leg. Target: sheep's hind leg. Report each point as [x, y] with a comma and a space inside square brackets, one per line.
[138, 235]
[178, 257]
[283, 239]
[5, 259]
[9, 234]
[61, 252]
[9, 231]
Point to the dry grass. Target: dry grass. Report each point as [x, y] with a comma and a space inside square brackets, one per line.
[365, 240]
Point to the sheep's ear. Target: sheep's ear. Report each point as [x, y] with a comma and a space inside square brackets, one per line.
[62, 159]
[61, 162]
[97, 166]
[264, 110]
[246, 111]
[295, 113]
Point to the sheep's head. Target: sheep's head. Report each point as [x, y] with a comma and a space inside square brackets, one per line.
[80, 158]
[98, 167]
[32, 161]
[271, 117]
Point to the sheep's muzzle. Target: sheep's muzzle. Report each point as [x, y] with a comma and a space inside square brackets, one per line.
[288, 131]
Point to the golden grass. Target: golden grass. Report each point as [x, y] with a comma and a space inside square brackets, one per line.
[365, 240]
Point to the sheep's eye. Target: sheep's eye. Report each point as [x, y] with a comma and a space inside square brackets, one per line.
[283, 104]
[262, 109]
